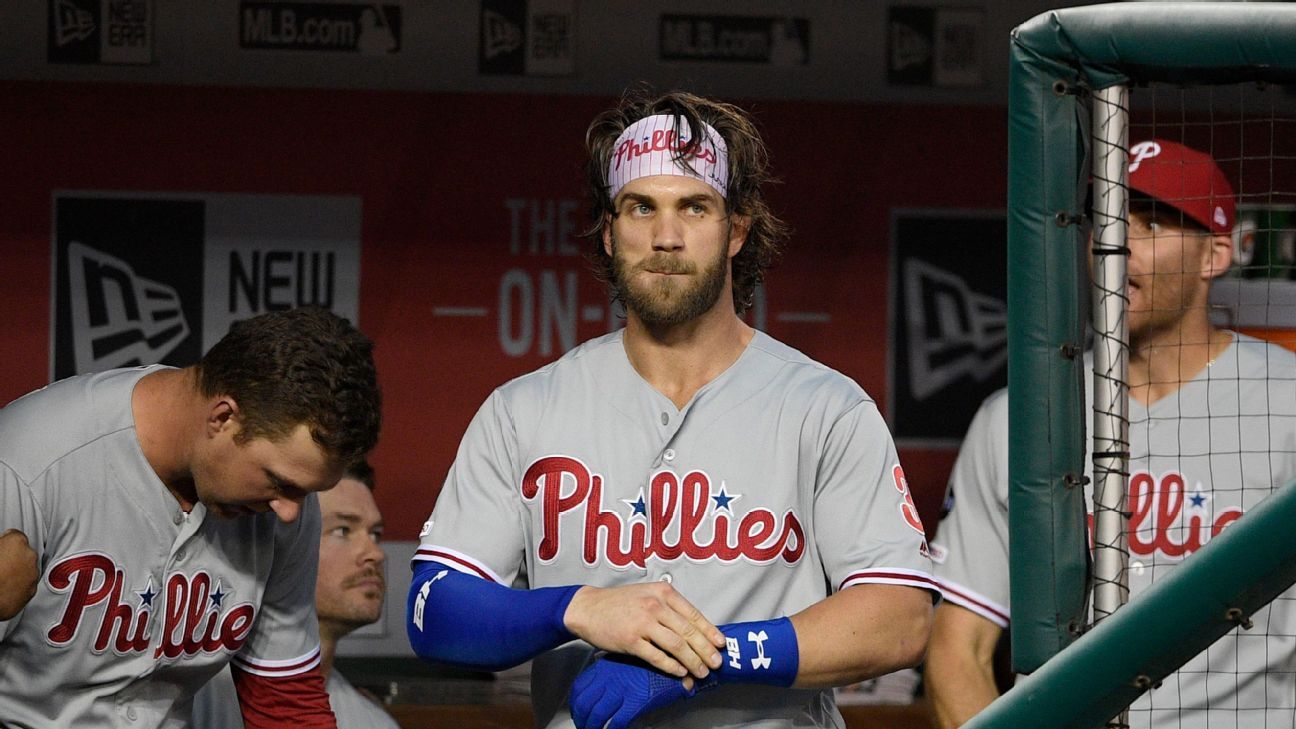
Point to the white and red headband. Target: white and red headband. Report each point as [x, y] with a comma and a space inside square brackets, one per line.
[652, 145]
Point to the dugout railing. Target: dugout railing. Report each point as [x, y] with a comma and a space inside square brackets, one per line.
[1060, 61]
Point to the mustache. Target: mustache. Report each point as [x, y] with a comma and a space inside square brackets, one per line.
[665, 264]
[370, 574]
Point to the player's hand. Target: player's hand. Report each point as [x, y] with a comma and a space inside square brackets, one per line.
[18, 573]
[650, 621]
[615, 690]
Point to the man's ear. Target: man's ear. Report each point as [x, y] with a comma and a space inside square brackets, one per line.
[222, 415]
[1218, 256]
[739, 227]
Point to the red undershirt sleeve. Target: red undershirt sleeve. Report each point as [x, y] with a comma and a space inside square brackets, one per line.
[298, 701]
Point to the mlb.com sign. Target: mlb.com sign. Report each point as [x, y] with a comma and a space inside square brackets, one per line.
[371, 28]
[143, 279]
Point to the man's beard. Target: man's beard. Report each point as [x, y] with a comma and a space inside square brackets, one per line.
[669, 302]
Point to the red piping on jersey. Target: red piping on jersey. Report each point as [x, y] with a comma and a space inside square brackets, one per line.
[964, 597]
[918, 580]
[442, 556]
[309, 661]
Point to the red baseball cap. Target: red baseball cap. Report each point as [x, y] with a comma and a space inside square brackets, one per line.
[1185, 179]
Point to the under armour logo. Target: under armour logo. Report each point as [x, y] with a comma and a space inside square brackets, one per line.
[761, 660]
[421, 600]
[1142, 151]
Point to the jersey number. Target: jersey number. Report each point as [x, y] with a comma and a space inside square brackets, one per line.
[907, 509]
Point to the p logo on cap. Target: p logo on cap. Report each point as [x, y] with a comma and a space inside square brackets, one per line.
[1186, 179]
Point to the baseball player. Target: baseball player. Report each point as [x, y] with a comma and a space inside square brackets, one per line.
[349, 594]
[174, 516]
[703, 513]
[1212, 432]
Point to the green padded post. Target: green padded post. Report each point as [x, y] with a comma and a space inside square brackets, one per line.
[1046, 175]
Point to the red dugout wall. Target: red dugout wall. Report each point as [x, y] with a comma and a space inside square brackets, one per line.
[474, 202]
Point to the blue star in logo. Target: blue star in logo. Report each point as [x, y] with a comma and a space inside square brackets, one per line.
[217, 597]
[1198, 498]
[638, 507]
[147, 595]
[722, 499]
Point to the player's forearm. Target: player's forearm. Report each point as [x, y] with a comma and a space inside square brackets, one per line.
[962, 693]
[862, 632]
[960, 665]
[959, 687]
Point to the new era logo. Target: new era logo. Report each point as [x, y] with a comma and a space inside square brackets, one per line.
[953, 331]
[499, 35]
[71, 22]
[119, 318]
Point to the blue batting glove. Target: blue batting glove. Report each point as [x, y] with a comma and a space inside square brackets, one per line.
[615, 690]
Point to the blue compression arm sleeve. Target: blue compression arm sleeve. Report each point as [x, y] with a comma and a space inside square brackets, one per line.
[470, 622]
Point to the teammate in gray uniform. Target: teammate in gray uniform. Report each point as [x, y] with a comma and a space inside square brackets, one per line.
[174, 516]
[684, 466]
[1212, 432]
[349, 594]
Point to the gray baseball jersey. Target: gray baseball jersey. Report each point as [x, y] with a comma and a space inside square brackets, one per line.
[1199, 458]
[775, 486]
[139, 604]
[217, 707]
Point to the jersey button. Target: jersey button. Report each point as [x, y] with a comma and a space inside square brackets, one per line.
[180, 555]
[130, 713]
[179, 517]
[669, 454]
[667, 578]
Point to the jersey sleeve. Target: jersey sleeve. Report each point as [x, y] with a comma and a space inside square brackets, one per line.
[19, 510]
[285, 639]
[477, 525]
[972, 544]
[867, 528]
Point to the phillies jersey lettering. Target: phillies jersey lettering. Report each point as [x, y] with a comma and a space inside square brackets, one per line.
[1166, 520]
[685, 506]
[1199, 459]
[775, 486]
[195, 619]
